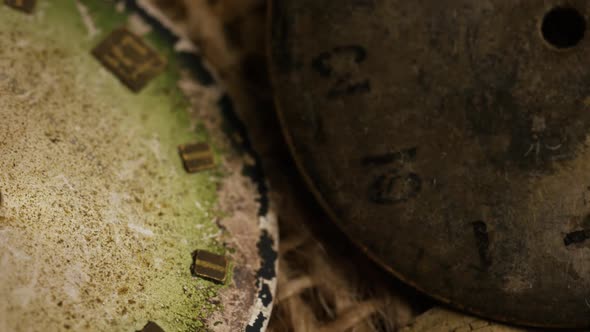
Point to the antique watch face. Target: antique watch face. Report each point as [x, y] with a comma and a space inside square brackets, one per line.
[449, 140]
[122, 203]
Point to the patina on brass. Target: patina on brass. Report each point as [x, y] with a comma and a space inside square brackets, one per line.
[449, 140]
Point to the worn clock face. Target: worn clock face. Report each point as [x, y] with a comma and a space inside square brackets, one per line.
[118, 191]
[450, 141]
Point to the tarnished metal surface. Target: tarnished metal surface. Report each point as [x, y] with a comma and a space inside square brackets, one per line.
[449, 140]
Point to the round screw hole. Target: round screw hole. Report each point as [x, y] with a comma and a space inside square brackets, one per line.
[563, 27]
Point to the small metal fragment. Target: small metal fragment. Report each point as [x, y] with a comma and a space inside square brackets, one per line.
[26, 6]
[196, 157]
[129, 58]
[209, 266]
[151, 327]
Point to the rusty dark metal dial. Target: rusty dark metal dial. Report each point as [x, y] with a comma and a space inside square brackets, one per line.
[449, 139]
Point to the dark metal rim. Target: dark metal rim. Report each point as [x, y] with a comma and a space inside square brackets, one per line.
[266, 275]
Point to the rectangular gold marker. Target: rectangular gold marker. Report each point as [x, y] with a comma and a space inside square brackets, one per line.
[129, 58]
[26, 6]
[196, 157]
[151, 327]
[210, 266]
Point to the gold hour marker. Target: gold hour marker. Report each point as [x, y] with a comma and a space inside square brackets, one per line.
[196, 157]
[129, 58]
[209, 266]
[26, 6]
[151, 327]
